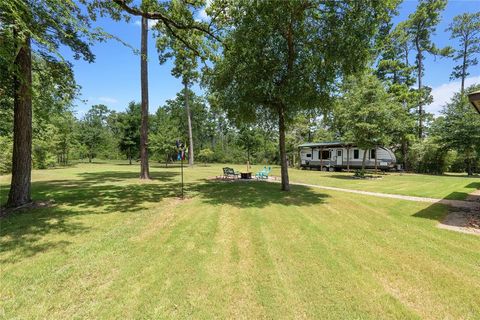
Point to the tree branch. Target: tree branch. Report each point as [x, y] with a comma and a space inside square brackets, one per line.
[168, 21]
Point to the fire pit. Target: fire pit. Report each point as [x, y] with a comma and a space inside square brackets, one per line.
[246, 175]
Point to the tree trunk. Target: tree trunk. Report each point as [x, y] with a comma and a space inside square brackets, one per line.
[376, 167]
[22, 128]
[189, 119]
[321, 158]
[348, 159]
[464, 66]
[469, 164]
[405, 154]
[364, 158]
[144, 170]
[420, 103]
[283, 153]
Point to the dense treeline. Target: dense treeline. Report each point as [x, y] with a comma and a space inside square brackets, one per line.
[364, 84]
[452, 141]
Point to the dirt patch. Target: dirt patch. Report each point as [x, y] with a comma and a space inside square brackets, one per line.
[462, 221]
[474, 196]
[29, 206]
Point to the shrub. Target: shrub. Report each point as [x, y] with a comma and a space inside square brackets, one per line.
[427, 156]
[205, 155]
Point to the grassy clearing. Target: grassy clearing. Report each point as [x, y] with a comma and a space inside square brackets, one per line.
[114, 247]
[450, 186]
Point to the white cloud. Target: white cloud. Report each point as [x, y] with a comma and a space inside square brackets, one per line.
[151, 23]
[108, 100]
[202, 14]
[443, 93]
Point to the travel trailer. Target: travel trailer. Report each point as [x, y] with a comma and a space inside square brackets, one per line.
[330, 156]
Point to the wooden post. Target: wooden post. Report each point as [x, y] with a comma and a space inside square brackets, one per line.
[348, 158]
[321, 159]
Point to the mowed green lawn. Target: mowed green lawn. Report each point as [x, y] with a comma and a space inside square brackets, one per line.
[448, 186]
[114, 247]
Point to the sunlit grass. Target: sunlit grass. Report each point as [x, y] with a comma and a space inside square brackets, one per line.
[114, 247]
[450, 186]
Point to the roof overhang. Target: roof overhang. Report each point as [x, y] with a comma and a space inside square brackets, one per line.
[332, 144]
[474, 99]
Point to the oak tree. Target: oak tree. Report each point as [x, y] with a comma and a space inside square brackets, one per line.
[281, 57]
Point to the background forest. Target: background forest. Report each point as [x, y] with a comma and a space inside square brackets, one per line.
[381, 105]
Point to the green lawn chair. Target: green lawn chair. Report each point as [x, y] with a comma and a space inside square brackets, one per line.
[266, 173]
[260, 174]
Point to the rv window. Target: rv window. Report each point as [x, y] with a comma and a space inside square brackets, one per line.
[372, 154]
[309, 155]
[339, 153]
[356, 154]
[325, 154]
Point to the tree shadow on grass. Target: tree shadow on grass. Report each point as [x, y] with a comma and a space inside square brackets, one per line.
[114, 176]
[97, 190]
[343, 177]
[255, 194]
[453, 210]
[465, 195]
[25, 233]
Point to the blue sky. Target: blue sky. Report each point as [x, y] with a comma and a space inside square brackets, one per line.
[114, 78]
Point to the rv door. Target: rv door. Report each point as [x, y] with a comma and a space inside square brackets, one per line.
[339, 157]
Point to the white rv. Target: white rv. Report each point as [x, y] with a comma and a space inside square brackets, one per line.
[339, 155]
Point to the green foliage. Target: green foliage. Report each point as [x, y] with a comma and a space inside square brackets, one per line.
[164, 133]
[258, 78]
[51, 23]
[6, 155]
[366, 114]
[296, 51]
[459, 128]
[42, 155]
[420, 27]
[466, 28]
[92, 131]
[126, 127]
[393, 65]
[249, 140]
[205, 155]
[428, 156]
[359, 173]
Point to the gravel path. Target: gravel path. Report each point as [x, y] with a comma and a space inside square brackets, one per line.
[469, 205]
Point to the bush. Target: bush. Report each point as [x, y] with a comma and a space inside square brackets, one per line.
[205, 155]
[360, 173]
[427, 156]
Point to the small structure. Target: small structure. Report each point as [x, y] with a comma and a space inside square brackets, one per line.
[338, 155]
[474, 99]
